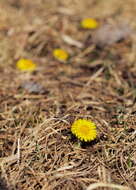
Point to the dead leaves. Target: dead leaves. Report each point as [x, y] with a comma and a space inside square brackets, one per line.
[109, 34]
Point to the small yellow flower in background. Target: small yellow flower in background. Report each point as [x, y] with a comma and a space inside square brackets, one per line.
[26, 65]
[83, 129]
[60, 54]
[89, 23]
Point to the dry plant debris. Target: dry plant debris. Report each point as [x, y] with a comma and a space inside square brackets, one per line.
[37, 149]
[109, 34]
[2, 185]
[33, 87]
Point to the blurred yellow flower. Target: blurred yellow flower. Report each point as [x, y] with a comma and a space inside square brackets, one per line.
[83, 129]
[89, 23]
[60, 54]
[26, 65]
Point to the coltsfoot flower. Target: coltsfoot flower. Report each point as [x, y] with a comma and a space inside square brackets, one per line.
[89, 23]
[26, 65]
[83, 129]
[60, 54]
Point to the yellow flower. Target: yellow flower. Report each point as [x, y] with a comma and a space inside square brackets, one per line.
[83, 129]
[26, 65]
[60, 54]
[89, 23]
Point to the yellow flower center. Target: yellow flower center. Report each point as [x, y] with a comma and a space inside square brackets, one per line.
[84, 129]
[89, 23]
[26, 65]
[60, 54]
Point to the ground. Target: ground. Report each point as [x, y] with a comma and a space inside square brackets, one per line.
[37, 149]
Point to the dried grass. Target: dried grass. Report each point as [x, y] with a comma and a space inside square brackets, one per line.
[37, 149]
